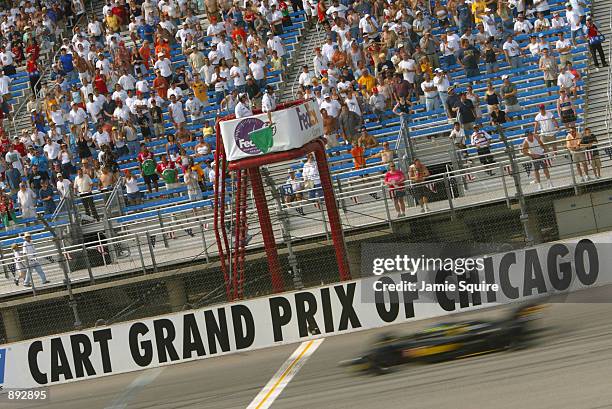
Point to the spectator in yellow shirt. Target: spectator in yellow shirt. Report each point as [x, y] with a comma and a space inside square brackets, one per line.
[199, 89]
[367, 81]
[478, 10]
[426, 66]
[112, 22]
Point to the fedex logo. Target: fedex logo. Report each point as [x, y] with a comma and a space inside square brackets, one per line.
[2, 364]
[306, 119]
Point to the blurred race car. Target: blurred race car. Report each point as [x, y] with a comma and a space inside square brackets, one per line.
[448, 341]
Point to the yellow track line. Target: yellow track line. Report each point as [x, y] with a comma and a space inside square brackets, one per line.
[284, 374]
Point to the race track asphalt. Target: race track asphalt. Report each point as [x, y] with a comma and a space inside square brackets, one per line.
[570, 367]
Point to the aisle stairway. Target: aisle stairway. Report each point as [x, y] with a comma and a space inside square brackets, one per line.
[598, 80]
[311, 38]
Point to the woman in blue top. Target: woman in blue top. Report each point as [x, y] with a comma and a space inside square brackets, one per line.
[172, 148]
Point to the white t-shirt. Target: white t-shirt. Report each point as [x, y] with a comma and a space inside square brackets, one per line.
[176, 111]
[332, 107]
[512, 48]
[257, 68]
[164, 66]
[429, 84]
[408, 69]
[237, 75]
[545, 122]
[242, 110]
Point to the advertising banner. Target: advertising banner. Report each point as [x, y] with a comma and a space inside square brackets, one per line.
[384, 298]
[290, 128]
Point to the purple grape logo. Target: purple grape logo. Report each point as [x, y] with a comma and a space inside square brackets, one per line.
[253, 137]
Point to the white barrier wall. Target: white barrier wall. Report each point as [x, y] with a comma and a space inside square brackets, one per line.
[291, 317]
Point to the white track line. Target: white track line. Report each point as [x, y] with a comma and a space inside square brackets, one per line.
[137, 384]
[285, 373]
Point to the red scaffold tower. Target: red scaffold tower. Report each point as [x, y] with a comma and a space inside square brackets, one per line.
[245, 172]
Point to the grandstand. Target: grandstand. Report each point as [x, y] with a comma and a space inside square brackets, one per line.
[169, 228]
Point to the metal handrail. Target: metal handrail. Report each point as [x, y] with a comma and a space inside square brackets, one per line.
[115, 192]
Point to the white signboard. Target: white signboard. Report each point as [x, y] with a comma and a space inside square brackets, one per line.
[291, 128]
[297, 316]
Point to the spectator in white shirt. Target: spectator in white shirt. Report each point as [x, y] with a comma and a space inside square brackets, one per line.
[243, 108]
[63, 185]
[557, 21]
[566, 80]
[306, 77]
[331, 106]
[268, 102]
[522, 25]
[176, 111]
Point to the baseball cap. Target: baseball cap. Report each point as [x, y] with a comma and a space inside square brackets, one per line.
[326, 96]
[541, 106]
[290, 170]
[59, 175]
[27, 234]
[503, 77]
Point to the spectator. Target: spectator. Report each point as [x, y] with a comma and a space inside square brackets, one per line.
[243, 107]
[394, 180]
[45, 194]
[565, 109]
[417, 173]
[310, 174]
[567, 81]
[589, 143]
[482, 141]
[63, 185]
[595, 40]
[465, 113]
[457, 138]
[20, 268]
[548, 65]
[386, 155]
[166, 169]
[148, 167]
[573, 143]
[31, 261]
[83, 187]
[26, 198]
[512, 52]
[509, 94]
[534, 148]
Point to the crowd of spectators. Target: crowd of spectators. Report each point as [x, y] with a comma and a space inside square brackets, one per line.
[110, 84]
[113, 78]
[380, 58]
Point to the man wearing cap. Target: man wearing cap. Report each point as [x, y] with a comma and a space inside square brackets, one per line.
[482, 141]
[369, 26]
[62, 185]
[164, 66]
[31, 261]
[522, 25]
[432, 98]
[442, 83]
[243, 108]
[509, 94]
[534, 148]
[330, 105]
[574, 18]
[305, 78]
[557, 21]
